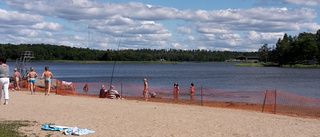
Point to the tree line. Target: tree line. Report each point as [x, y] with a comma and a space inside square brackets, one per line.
[60, 52]
[291, 50]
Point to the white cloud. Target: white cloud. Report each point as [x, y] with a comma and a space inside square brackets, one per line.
[212, 30]
[179, 46]
[50, 26]
[17, 18]
[141, 25]
[183, 30]
[49, 34]
[315, 3]
[191, 38]
[256, 38]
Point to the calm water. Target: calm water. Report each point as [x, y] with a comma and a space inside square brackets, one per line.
[224, 76]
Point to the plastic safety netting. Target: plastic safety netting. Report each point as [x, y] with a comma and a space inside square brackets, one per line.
[270, 101]
[57, 86]
[286, 103]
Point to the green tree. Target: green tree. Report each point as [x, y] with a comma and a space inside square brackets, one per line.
[264, 53]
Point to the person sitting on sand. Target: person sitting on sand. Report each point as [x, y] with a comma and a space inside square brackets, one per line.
[152, 94]
[112, 93]
[103, 92]
[48, 76]
[32, 79]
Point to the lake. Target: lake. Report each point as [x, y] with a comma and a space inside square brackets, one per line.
[223, 76]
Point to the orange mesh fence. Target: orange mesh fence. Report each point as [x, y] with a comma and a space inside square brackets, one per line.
[271, 101]
[57, 86]
[285, 103]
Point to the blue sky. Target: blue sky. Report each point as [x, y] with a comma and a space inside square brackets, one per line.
[228, 25]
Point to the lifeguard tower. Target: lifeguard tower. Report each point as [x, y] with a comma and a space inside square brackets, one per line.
[21, 62]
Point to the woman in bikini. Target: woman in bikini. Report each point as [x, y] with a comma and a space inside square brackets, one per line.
[32, 79]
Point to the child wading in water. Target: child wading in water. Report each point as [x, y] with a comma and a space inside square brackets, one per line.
[48, 76]
[32, 79]
[192, 89]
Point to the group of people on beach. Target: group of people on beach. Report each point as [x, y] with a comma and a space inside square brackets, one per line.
[176, 90]
[31, 79]
[47, 75]
[114, 94]
[111, 93]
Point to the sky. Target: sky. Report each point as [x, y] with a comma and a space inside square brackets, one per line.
[216, 25]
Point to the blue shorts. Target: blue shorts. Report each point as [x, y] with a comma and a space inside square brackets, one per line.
[32, 80]
[48, 80]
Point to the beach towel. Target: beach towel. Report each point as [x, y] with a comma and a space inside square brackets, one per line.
[78, 132]
[51, 128]
[66, 84]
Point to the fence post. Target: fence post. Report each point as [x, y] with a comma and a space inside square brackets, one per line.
[264, 101]
[121, 90]
[275, 101]
[201, 97]
[57, 86]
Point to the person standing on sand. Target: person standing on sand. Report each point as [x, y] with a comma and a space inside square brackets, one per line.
[4, 80]
[17, 78]
[32, 79]
[145, 89]
[48, 76]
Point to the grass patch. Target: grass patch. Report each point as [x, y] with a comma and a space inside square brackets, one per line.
[249, 65]
[301, 66]
[11, 128]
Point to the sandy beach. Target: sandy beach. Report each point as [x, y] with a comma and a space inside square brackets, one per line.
[140, 118]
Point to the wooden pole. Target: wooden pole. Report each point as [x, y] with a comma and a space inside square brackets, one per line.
[121, 90]
[264, 101]
[201, 97]
[275, 101]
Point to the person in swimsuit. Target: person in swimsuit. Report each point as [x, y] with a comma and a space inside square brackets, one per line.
[17, 78]
[176, 88]
[32, 79]
[86, 88]
[145, 89]
[192, 89]
[48, 76]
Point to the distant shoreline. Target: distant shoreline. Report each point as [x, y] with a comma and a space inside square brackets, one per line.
[95, 61]
[274, 65]
[239, 64]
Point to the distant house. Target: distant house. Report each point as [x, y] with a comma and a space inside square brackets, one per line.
[248, 58]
